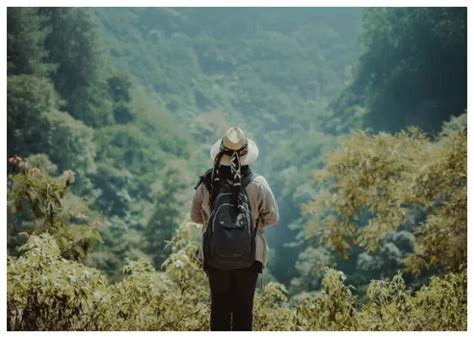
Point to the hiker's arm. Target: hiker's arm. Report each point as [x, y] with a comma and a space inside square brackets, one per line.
[269, 213]
[196, 215]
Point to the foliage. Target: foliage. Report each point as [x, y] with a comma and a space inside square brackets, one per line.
[310, 267]
[66, 101]
[391, 178]
[51, 208]
[138, 187]
[412, 70]
[25, 42]
[42, 283]
[119, 241]
[47, 292]
[334, 306]
[135, 121]
[74, 46]
[391, 306]
[178, 64]
[271, 309]
[119, 92]
[35, 125]
[440, 305]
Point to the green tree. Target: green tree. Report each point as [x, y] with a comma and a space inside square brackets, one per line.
[51, 208]
[26, 34]
[119, 91]
[74, 46]
[413, 69]
[371, 185]
[35, 125]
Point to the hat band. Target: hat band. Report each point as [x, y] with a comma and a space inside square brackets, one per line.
[242, 151]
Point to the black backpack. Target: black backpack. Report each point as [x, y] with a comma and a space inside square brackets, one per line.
[229, 239]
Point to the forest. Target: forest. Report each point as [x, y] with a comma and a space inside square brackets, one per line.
[360, 116]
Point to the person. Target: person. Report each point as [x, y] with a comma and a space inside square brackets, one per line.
[232, 290]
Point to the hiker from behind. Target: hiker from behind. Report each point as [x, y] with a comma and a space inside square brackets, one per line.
[234, 205]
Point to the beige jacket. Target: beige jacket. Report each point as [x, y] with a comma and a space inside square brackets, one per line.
[262, 203]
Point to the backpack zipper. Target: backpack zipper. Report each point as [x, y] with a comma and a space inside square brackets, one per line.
[214, 214]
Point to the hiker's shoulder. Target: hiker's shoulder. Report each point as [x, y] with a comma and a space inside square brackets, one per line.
[259, 180]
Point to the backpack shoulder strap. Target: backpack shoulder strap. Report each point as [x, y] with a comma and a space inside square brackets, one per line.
[204, 178]
[247, 179]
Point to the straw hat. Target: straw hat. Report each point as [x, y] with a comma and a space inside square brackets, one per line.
[234, 138]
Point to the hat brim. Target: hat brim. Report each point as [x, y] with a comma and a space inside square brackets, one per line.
[251, 156]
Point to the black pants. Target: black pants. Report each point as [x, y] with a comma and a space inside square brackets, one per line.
[232, 293]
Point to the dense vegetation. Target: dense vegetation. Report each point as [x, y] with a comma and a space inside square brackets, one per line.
[49, 289]
[412, 70]
[360, 118]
